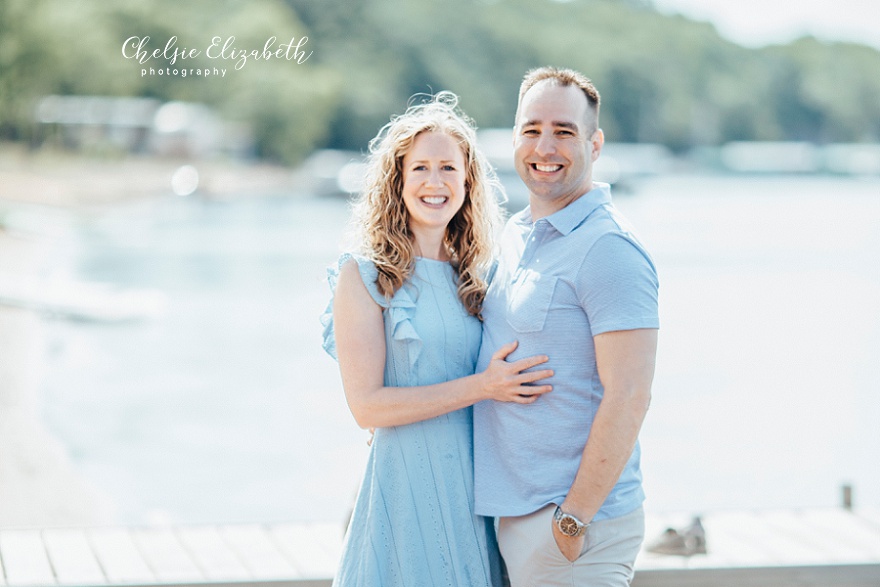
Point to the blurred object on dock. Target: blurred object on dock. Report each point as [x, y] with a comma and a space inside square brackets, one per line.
[847, 497]
[768, 548]
[686, 541]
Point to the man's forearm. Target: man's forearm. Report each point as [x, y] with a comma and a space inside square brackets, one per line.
[625, 363]
[610, 444]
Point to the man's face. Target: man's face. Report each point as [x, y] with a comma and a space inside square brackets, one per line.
[555, 143]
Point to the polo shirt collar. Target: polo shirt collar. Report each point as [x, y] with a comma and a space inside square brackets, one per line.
[574, 214]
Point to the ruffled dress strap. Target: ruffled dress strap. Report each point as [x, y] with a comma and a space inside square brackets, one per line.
[399, 309]
[369, 274]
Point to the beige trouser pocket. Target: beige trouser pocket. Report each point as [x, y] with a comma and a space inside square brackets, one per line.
[533, 558]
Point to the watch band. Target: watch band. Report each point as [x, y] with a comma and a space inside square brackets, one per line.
[568, 524]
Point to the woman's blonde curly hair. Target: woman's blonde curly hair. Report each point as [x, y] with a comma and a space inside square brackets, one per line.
[382, 219]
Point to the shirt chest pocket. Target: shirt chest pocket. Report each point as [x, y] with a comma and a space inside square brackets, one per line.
[530, 298]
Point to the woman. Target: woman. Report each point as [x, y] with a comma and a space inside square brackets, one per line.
[405, 328]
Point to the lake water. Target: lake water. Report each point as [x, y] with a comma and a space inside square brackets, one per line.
[227, 409]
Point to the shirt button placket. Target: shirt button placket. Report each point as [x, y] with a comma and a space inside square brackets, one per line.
[528, 251]
[535, 238]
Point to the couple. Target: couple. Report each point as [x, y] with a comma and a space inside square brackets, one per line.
[506, 408]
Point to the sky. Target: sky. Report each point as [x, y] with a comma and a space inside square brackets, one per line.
[756, 23]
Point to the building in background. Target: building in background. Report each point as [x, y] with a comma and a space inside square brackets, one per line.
[139, 125]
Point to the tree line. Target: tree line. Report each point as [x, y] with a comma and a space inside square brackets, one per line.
[663, 79]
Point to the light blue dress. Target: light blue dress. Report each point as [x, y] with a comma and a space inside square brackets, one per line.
[413, 522]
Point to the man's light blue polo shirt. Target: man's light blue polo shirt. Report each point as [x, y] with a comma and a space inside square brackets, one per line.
[559, 282]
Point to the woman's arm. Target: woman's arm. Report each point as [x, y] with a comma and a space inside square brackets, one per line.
[360, 345]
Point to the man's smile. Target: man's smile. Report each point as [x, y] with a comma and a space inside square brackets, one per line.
[546, 168]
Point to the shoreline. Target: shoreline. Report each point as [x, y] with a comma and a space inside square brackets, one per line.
[64, 179]
[38, 481]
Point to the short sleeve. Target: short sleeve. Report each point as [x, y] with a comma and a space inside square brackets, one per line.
[618, 285]
[369, 274]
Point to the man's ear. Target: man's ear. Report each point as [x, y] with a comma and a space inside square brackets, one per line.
[598, 140]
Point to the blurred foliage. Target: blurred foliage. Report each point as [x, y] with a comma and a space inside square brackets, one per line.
[662, 78]
[75, 47]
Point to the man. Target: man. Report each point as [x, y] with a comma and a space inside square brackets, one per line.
[562, 475]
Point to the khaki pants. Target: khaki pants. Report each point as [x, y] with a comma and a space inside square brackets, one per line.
[533, 559]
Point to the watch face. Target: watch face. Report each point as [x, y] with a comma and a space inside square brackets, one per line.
[568, 525]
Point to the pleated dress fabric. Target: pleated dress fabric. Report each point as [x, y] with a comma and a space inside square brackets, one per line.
[413, 522]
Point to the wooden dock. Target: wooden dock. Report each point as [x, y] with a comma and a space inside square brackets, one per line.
[774, 548]
[294, 555]
[790, 548]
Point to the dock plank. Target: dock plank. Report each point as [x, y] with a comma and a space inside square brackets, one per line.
[848, 530]
[797, 525]
[778, 576]
[166, 555]
[795, 548]
[871, 516]
[331, 537]
[24, 558]
[258, 552]
[314, 549]
[750, 534]
[212, 554]
[119, 557]
[784, 535]
[72, 557]
[730, 543]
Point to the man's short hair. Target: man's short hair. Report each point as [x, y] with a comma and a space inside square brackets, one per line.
[564, 78]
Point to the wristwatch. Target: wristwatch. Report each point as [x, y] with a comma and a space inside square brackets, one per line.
[568, 524]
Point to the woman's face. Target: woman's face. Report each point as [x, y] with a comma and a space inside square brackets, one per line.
[433, 181]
